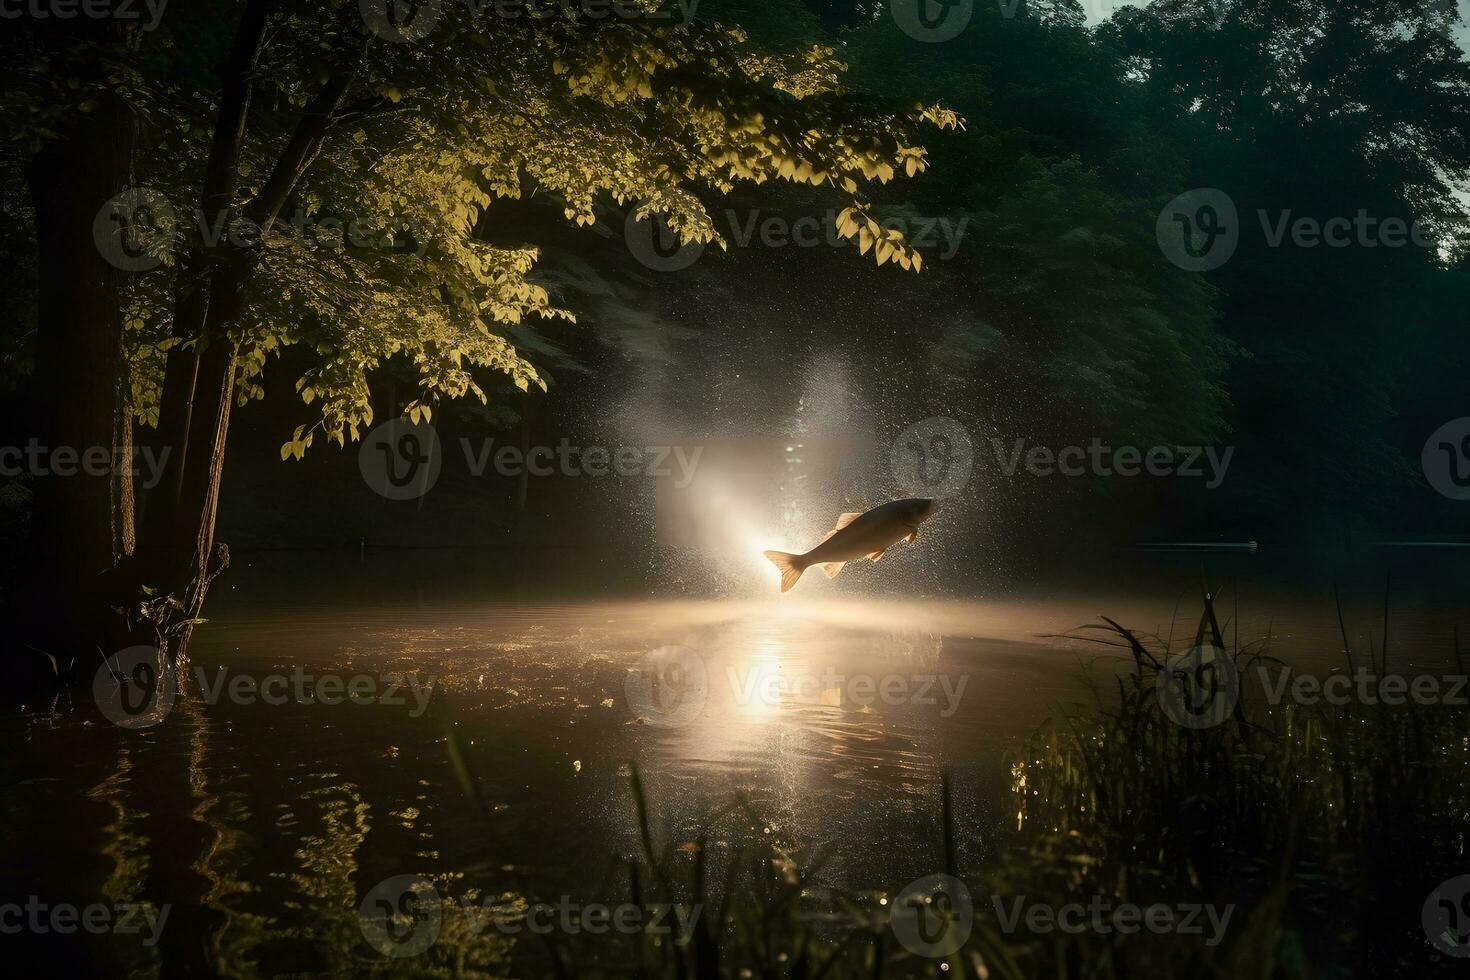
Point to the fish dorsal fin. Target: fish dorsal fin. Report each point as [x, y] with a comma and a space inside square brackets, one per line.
[833, 567]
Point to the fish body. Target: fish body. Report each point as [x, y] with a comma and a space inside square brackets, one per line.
[857, 535]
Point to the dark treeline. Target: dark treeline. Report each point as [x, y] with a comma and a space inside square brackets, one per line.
[1326, 367]
[1322, 367]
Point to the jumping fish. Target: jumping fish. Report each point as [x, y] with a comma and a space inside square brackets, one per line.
[857, 536]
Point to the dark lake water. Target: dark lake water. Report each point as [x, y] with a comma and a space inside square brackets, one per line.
[263, 825]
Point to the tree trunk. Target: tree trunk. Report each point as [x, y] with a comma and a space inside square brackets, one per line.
[199, 497]
[200, 384]
[124, 495]
[167, 523]
[82, 522]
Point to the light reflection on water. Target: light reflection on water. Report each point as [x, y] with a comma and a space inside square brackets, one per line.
[263, 826]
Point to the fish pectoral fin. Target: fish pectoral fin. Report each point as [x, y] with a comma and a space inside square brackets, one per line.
[833, 567]
[912, 535]
[877, 555]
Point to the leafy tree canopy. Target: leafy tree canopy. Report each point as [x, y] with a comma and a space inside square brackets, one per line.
[381, 251]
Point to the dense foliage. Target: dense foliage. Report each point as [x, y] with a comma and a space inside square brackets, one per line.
[379, 254]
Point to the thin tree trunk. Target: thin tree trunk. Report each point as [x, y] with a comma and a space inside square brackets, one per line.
[124, 497]
[201, 488]
[194, 290]
[196, 478]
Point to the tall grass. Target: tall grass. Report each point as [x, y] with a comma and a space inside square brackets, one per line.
[1326, 825]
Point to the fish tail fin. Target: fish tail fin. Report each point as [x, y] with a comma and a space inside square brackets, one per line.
[790, 567]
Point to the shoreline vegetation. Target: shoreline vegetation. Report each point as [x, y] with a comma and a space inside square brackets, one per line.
[1289, 840]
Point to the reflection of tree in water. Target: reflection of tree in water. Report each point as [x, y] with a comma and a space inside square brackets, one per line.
[126, 845]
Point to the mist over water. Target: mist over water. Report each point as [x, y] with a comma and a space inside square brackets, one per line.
[784, 447]
[796, 418]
